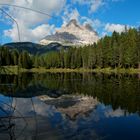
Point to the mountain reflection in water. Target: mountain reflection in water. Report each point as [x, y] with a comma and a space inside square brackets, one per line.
[69, 106]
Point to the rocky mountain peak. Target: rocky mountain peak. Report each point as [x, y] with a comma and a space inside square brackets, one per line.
[88, 27]
[73, 33]
[72, 22]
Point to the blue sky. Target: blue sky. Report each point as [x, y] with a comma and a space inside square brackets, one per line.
[105, 16]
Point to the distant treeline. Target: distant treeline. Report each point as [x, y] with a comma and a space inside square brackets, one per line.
[119, 50]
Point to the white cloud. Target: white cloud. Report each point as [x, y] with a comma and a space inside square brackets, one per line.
[93, 4]
[96, 23]
[96, 4]
[70, 14]
[114, 113]
[114, 27]
[103, 34]
[33, 26]
[27, 34]
[6, 1]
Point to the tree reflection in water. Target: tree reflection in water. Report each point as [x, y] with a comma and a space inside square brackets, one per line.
[116, 90]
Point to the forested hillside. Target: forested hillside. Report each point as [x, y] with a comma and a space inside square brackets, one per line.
[119, 50]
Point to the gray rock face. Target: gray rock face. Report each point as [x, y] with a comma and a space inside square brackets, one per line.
[73, 33]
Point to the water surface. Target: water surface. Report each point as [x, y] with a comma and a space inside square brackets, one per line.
[71, 106]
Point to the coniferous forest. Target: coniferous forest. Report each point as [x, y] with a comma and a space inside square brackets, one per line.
[120, 50]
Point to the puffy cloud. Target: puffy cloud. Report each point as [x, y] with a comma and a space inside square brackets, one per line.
[6, 1]
[103, 34]
[93, 4]
[33, 26]
[114, 113]
[27, 34]
[96, 4]
[70, 14]
[114, 27]
[96, 23]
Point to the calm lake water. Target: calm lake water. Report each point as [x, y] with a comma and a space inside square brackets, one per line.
[69, 106]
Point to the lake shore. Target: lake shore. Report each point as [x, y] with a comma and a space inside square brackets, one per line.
[16, 70]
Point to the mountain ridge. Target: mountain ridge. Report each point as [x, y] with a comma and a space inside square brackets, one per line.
[34, 48]
[73, 33]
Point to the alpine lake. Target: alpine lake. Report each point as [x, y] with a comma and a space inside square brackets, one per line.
[70, 106]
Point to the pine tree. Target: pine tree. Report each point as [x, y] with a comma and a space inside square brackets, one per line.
[138, 47]
[14, 56]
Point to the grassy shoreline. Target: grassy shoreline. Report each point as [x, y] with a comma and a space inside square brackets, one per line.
[15, 70]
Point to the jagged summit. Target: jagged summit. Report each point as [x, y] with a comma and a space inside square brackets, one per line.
[89, 27]
[73, 33]
[73, 22]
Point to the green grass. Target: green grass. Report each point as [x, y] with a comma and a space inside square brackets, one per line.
[16, 70]
[9, 70]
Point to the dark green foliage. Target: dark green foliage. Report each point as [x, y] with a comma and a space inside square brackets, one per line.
[25, 60]
[13, 57]
[8, 57]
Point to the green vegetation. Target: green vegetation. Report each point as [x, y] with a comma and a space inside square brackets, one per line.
[16, 70]
[112, 53]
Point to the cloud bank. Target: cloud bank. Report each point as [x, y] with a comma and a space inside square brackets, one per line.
[114, 27]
